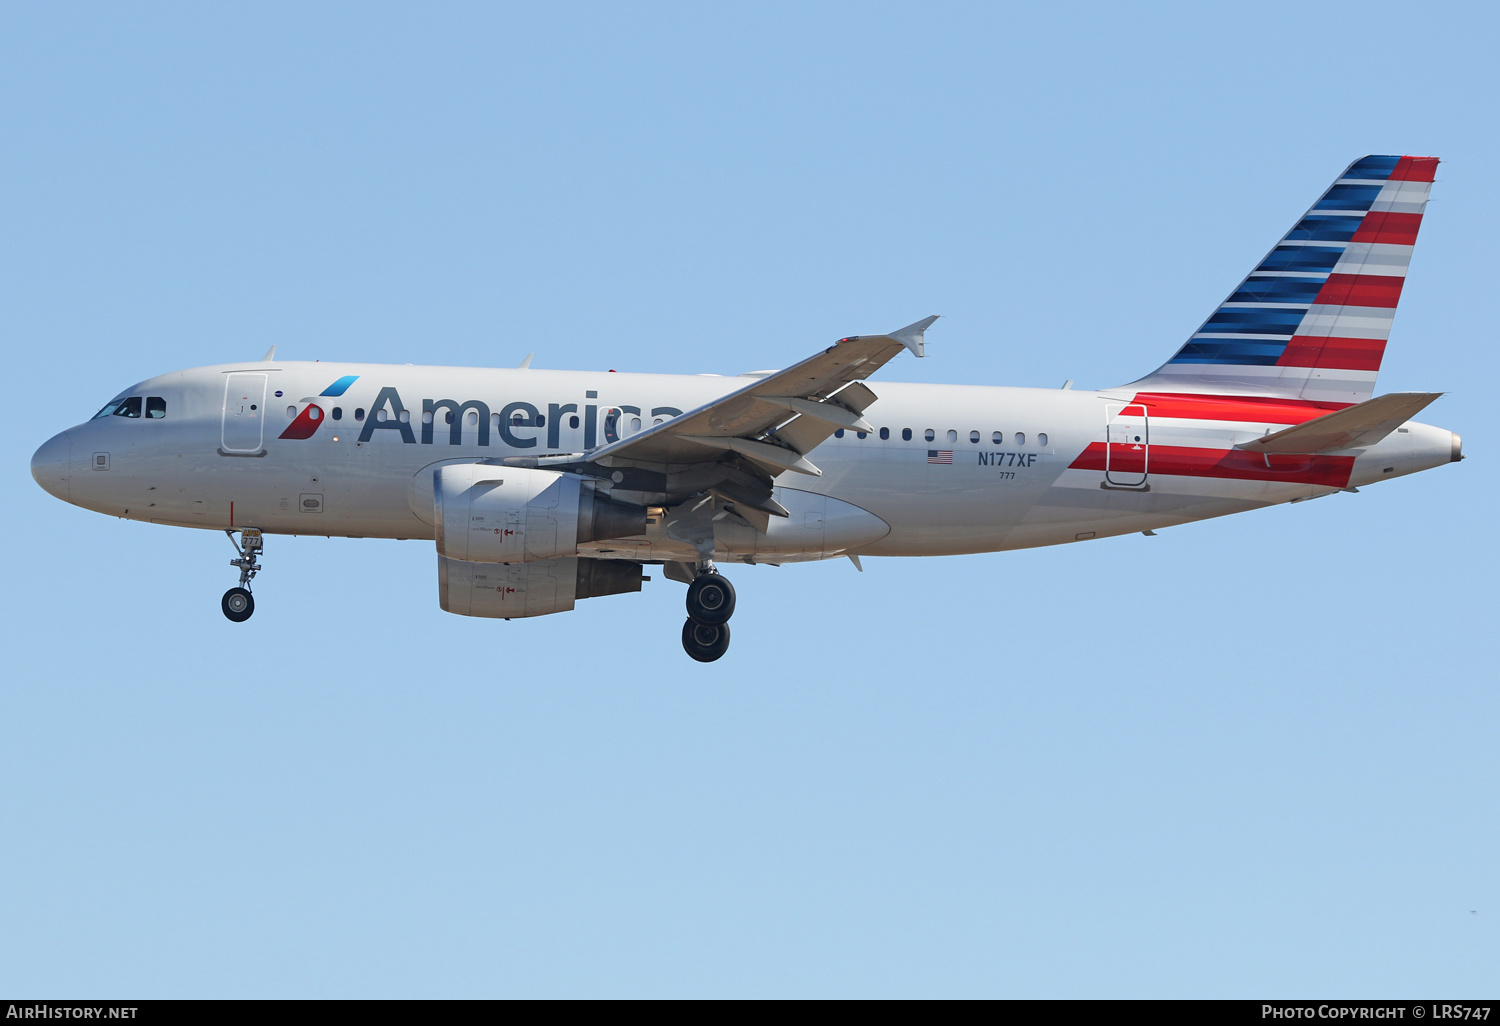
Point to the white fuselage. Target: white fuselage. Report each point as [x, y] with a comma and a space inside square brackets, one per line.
[1057, 473]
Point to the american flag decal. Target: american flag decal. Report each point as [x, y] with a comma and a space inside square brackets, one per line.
[943, 456]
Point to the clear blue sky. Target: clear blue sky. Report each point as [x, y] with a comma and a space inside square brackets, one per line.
[1246, 757]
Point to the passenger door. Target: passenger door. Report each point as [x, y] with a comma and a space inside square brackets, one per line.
[244, 414]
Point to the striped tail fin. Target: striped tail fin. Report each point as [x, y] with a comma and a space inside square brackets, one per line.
[1311, 321]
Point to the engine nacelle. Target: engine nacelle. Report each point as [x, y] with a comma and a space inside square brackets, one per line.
[490, 514]
[537, 588]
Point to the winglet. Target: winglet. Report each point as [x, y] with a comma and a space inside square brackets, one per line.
[526, 363]
[911, 335]
[270, 355]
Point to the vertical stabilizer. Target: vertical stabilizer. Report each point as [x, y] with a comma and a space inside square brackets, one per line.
[1311, 321]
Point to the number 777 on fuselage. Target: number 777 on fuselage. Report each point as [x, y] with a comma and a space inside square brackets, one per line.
[540, 488]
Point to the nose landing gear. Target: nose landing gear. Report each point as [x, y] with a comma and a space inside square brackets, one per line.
[710, 604]
[238, 604]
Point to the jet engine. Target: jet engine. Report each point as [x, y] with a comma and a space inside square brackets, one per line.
[496, 514]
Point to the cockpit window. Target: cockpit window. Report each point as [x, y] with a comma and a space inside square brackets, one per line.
[156, 407]
[109, 408]
[129, 407]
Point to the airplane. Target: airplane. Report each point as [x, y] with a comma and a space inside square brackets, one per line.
[543, 487]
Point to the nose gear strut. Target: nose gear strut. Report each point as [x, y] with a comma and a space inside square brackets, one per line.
[238, 603]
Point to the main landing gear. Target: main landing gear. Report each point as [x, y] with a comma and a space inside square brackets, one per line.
[238, 603]
[710, 604]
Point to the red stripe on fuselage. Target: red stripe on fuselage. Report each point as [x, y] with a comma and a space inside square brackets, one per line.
[1360, 290]
[1231, 464]
[1362, 354]
[1392, 229]
[1252, 408]
[1415, 169]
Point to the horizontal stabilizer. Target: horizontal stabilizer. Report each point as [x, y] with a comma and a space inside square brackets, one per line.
[1356, 427]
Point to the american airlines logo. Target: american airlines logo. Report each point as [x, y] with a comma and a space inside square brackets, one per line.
[515, 422]
[306, 423]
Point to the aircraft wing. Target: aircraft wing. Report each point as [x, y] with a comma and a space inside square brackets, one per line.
[777, 419]
[734, 447]
[1363, 424]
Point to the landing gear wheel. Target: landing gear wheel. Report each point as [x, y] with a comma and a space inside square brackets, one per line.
[238, 604]
[705, 642]
[710, 600]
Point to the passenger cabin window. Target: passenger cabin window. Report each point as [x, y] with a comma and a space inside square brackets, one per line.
[1020, 438]
[130, 408]
[839, 433]
[156, 407]
[998, 438]
[974, 437]
[952, 436]
[1041, 439]
[338, 413]
[885, 433]
[906, 434]
[929, 434]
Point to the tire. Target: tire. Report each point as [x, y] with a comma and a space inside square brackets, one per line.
[238, 604]
[710, 599]
[705, 642]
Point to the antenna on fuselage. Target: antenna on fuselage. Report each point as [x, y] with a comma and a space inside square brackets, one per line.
[526, 363]
[270, 355]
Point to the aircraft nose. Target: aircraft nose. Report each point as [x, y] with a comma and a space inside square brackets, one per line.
[50, 465]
